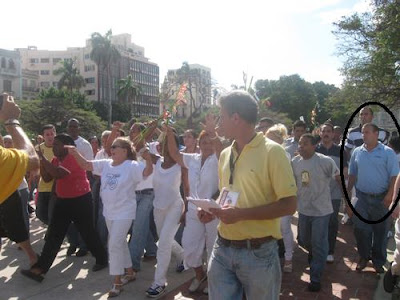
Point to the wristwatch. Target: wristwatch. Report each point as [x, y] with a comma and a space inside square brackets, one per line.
[11, 122]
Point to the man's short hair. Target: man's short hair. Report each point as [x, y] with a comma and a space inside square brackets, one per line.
[372, 126]
[268, 120]
[328, 124]
[48, 126]
[242, 103]
[299, 123]
[73, 120]
[369, 108]
[313, 139]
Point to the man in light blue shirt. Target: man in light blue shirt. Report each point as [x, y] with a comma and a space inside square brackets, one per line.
[373, 170]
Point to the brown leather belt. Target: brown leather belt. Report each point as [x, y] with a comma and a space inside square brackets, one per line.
[248, 244]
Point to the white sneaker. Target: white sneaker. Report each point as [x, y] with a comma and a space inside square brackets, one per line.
[330, 259]
[196, 284]
[205, 291]
[345, 219]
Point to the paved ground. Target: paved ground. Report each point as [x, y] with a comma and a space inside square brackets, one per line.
[71, 278]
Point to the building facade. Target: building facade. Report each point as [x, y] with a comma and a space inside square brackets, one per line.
[10, 73]
[132, 61]
[197, 79]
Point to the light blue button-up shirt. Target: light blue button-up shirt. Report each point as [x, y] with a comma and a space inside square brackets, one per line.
[373, 169]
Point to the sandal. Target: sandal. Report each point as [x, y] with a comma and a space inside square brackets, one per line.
[115, 290]
[125, 279]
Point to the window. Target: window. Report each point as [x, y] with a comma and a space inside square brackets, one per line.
[34, 60]
[44, 60]
[11, 64]
[90, 92]
[32, 83]
[45, 84]
[7, 85]
[56, 60]
[44, 72]
[89, 80]
[55, 83]
[87, 56]
[3, 62]
[24, 82]
[89, 68]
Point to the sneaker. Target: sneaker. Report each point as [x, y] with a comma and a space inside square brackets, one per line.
[180, 267]
[345, 219]
[379, 269]
[155, 290]
[205, 291]
[288, 267]
[330, 259]
[196, 284]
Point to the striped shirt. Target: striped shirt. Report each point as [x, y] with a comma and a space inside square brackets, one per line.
[355, 138]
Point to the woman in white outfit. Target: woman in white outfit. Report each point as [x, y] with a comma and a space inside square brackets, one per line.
[203, 184]
[278, 133]
[168, 208]
[119, 177]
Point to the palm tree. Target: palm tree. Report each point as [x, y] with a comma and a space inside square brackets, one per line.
[70, 77]
[104, 53]
[130, 90]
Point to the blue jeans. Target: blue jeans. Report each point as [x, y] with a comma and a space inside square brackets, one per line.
[313, 236]
[333, 225]
[371, 238]
[256, 272]
[141, 235]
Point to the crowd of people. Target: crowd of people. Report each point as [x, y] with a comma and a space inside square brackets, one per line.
[128, 197]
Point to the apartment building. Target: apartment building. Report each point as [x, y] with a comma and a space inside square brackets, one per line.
[132, 61]
[10, 73]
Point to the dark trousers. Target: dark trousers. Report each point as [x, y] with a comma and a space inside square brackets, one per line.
[80, 211]
[334, 225]
[44, 206]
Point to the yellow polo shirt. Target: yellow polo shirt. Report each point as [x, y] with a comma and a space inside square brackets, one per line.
[13, 165]
[262, 175]
[48, 153]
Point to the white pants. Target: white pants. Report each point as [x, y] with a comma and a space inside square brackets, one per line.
[396, 257]
[167, 223]
[287, 234]
[196, 235]
[118, 251]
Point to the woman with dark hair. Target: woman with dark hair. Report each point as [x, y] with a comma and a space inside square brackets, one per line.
[119, 177]
[168, 208]
[200, 228]
[73, 204]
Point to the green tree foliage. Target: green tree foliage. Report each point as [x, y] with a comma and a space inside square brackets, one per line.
[57, 107]
[129, 91]
[70, 76]
[370, 44]
[290, 95]
[103, 54]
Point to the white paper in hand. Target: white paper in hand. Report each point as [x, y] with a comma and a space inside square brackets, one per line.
[204, 204]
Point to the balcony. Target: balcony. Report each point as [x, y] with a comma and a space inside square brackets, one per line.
[8, 72]
[30, 89]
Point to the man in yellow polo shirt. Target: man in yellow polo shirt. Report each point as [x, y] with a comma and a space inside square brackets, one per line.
[14, 163]
[258, 187]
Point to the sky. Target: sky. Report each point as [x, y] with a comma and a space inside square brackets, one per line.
[264, 38]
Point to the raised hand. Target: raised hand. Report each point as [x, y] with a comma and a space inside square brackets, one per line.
[210, 124]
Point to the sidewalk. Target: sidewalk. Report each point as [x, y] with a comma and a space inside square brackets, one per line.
[340, 279]
[71, 278]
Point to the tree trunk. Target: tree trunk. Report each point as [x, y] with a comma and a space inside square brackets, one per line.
[109, 96]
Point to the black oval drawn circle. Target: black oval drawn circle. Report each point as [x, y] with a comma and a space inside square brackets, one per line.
[341, 163]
